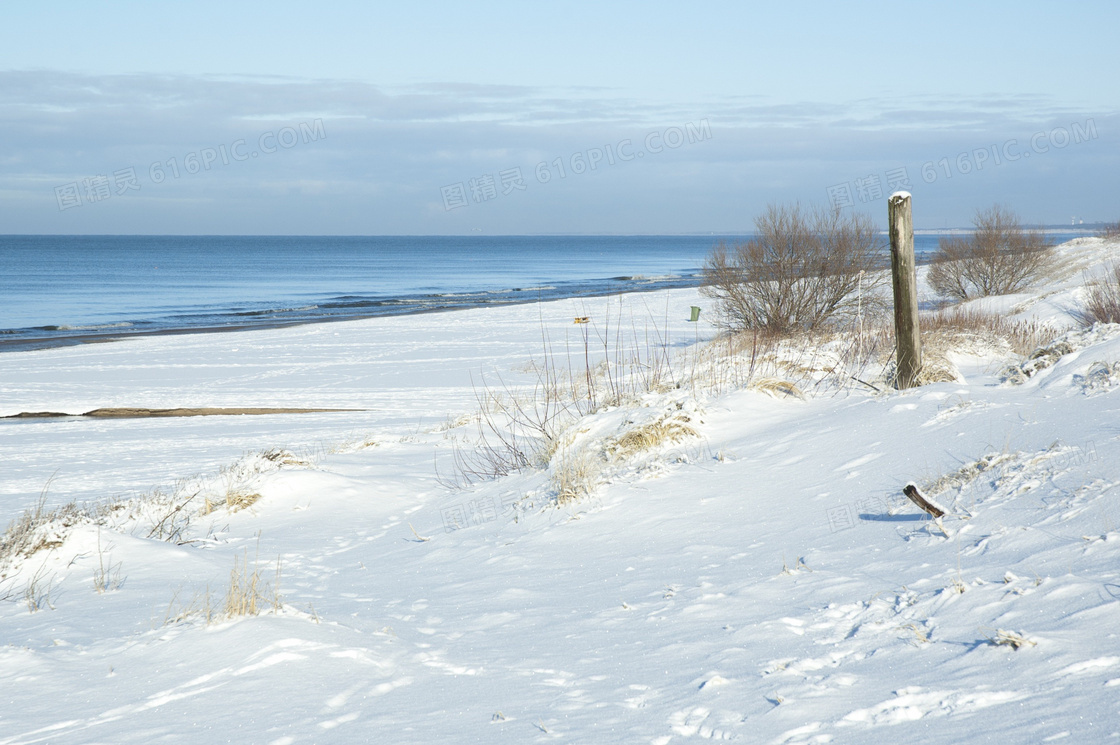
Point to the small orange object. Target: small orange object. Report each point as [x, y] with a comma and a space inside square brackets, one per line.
[583, 319]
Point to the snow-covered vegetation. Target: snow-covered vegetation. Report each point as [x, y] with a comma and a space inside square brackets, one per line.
[634, 529]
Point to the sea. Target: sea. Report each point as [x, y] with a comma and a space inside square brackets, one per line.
[63, 290]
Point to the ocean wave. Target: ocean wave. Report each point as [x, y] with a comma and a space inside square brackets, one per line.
[521, 289]
[273, 311]
[89, 327]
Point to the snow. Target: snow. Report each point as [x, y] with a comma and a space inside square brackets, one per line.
[763, 581]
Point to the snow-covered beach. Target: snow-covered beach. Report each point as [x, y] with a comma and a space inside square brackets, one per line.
[758, 578]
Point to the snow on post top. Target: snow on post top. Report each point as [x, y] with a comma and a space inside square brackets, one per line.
[899, 195]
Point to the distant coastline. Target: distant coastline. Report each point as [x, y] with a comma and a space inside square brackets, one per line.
[70, 290]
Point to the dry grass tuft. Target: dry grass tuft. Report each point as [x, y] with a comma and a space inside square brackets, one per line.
[37, 593]
[662, 431]
[1012, 639]
[937, 368]
[791, 366]
[778, 388]
[285, 458]
[107, 576]
[1102, 298]
[575, 473]
[1040, 359]
[237, 491]
[249, 594]
[37, 529]
[919, 635]
[234, 501]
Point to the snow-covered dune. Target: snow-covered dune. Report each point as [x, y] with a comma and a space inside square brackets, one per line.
[745, 569]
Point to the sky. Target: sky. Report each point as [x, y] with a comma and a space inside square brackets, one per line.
[369, 118]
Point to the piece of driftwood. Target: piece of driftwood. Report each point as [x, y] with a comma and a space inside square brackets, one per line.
[139, 413]
[915, 494]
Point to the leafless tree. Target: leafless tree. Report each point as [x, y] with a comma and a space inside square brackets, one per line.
[803, 268]
[1110, 231]
[1000, 257]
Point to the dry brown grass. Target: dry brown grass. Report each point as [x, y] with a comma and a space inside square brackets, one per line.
[574, 473]
[283, 457]
[532, 427]
[234, 500]
[837, 359]
[107, 575]
[778, 388]
[968, 329]
[961, 331]
[37, 593]
[237, 491]
[1102, 298]
[966, 474]
[610, 362]
[662, 431]
[36, 529]
[1013, 639]
[248, 594]
[787, 366]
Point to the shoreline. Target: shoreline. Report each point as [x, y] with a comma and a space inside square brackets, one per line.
[103, 337]
[40, 330]
[136, 412]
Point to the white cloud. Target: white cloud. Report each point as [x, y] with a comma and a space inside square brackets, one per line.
[387, 151]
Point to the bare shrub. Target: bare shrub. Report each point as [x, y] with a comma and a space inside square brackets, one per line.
[1110, 230]
[1102, 299]
[1000, 257]
[801, 270]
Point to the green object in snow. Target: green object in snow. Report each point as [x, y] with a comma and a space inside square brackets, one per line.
[695, 314]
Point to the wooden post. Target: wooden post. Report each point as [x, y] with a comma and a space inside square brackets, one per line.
[904, 280]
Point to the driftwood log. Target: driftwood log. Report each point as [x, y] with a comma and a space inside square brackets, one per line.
[916, 496]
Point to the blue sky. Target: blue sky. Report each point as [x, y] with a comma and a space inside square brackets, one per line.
[453, 118]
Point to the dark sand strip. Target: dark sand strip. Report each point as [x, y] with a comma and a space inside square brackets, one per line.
[137, 413]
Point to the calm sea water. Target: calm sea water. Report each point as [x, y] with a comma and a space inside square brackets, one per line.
[57, 290]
